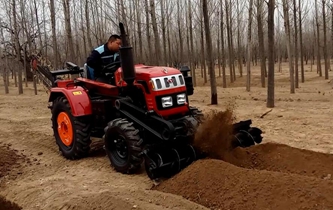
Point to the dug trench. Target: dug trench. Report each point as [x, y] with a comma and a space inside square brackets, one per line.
[265, 176]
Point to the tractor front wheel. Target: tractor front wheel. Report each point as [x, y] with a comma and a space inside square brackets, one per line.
[72, 134]
[123, 146]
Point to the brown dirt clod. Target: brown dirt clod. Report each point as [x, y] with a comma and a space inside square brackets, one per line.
[8, 205]
[8, 159]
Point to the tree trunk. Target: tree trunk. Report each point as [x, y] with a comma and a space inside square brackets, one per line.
[156, 36]
[192, 43]
[301, 40]
[260, 4]
[138, 19]
[296, 45]
[5, 70]
[38, 28]
[86, 9]
[148, 33]
[68, 29]
[203, 55]
[270, 82]
[54, 35]
[164, 33]
[318, 42]
[249, 48]
[17, 46]
[239, 50]
[209, 53]
[180, 37]
[230, 58]
[326, 58]
[290, 57]
[224, 79]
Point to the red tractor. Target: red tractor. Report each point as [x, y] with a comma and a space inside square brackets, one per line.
[143, 116]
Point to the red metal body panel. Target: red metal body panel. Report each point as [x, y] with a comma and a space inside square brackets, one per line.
[81, 103]
[100, 87]
[146, 73]
[76, 96]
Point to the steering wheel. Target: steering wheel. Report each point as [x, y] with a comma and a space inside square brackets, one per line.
[112, 67]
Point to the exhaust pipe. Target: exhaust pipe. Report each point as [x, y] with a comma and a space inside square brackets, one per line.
[126, 56]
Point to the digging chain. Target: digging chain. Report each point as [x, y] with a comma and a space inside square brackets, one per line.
[39, 64]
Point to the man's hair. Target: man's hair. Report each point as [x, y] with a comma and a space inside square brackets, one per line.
[114, 37]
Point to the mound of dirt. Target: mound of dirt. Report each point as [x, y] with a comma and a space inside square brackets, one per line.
[8, 205]
[214, 138]
[8, 159]
[265, 176]
[281, 158]
[220, 185]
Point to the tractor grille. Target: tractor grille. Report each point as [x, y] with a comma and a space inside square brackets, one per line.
[168, 82]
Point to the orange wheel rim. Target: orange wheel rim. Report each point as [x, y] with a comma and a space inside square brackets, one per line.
[65, 128]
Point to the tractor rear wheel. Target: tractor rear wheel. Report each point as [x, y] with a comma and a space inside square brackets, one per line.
[72, 134]
[123, 146]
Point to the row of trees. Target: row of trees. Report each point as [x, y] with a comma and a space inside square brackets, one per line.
[227, 34]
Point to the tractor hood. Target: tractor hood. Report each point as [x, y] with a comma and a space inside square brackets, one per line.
[155, 71]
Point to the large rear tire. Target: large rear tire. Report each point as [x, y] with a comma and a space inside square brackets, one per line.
[123, 146]
[72, 134]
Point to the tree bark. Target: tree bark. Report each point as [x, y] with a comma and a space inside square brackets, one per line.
[156, 36]
[318, 42]
[326, 58]
[296, 45]
[290, 57]
[261, 42]
[192, 44]
[224, 79]
[209, 53]
[301, 40]
[270, 88]
[17, 47]
[249, 48]
[54, 34]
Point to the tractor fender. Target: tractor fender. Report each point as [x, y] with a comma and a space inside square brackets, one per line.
[77, 98]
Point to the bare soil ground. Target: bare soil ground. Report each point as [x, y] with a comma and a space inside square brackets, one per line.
[285, 172]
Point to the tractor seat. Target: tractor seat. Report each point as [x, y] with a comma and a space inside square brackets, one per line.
[88, 72]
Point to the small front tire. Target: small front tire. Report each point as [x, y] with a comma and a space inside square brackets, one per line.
[123, 146]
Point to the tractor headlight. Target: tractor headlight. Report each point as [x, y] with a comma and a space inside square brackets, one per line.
[166, 101]
[181, 98]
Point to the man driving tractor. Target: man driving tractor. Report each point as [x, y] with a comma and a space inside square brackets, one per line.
[100, 61]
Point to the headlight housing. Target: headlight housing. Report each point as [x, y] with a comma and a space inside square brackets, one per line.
[166, 102]
[181, 99]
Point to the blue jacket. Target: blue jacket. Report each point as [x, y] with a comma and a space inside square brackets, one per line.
[100, 57]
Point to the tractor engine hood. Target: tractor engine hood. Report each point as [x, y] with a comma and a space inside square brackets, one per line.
[144, 71]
